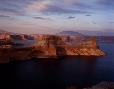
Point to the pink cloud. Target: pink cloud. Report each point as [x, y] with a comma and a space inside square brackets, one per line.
[39, 5]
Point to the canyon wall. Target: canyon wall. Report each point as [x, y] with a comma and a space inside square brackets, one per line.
[50, 46]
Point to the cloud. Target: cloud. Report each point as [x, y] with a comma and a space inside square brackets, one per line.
[83, 5]
[48, 6]
[88, 15]
[4, 16]
[56, 9]
[106, 2]
[14, 7]
[71, 17]
[41, 18]
[39, 5]
[11, 11]
[21, 7]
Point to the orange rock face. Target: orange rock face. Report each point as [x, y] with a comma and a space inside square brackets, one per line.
[5, 36]
[5, 40]
[51, 46]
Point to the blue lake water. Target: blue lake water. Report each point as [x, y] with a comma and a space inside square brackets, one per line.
[59, 73]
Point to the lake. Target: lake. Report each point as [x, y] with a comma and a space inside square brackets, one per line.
[59, 73]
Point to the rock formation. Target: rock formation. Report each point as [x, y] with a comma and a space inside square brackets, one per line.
[9, 40]
[21, 37]
[5, 40]
[52, 46]
[87, 47]
[103, 85]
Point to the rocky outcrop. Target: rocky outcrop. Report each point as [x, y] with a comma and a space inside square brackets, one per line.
[9, 40]
[75, 51]
[6, 43]
[21, 37]
[8, 36]
[103, 85]
[51, 46]
[11, 54]
[5, 36]
[86, 47]
[5, 40]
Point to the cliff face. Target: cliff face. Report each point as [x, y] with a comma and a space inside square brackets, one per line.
[8, 54]
[5, 36]
[5, 40]
[8, 36]
[21, 37]
[84, 51]
[86, 47]
[51, 46]
[9, 40]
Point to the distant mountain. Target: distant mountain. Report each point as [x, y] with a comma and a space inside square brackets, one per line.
[70, 33]
[97, 33]
[7, 32]
[3, 31]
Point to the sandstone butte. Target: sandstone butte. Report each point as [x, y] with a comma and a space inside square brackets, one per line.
[51, 46]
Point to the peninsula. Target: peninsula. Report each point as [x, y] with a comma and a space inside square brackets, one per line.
[48, 46]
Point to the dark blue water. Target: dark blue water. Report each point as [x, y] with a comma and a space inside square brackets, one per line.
[59, 73]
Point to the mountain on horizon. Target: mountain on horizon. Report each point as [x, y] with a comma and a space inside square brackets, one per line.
[97, 33]
[70, 33]
[4, 31]
[8, 32]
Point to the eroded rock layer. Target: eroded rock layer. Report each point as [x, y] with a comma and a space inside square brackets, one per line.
[52, 46]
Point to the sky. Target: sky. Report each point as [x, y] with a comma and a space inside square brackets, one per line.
[52, 16]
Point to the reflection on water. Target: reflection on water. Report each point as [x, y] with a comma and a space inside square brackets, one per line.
[58, 73]
[54, 73]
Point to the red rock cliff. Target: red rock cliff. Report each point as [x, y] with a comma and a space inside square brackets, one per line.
[52, 46]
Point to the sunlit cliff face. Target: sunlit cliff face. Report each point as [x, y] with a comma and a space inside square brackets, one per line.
[51, 16]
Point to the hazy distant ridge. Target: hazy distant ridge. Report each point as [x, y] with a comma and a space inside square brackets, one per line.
[70, 33]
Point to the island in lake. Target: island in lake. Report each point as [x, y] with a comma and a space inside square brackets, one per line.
[13, 46]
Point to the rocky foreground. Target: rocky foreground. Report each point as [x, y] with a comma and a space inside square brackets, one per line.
[102, 85]
[51, 46]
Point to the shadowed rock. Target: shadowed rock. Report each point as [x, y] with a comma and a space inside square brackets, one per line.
[103, 85]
